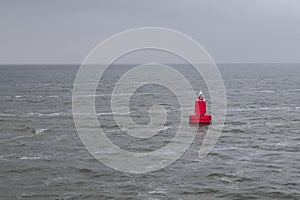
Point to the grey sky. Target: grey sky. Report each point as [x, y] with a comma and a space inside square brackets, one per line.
[231, 30]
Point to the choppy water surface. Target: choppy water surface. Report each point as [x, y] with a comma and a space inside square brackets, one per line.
[256, 157]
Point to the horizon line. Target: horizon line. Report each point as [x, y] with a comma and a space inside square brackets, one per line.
[217, 63]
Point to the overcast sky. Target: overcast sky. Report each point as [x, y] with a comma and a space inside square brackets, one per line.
[65, 31]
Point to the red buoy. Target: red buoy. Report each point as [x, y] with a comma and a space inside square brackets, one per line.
[200, 116]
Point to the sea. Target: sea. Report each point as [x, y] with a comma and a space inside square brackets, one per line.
[257, 155]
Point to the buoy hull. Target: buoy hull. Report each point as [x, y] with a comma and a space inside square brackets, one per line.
[200, 107]
[200, 116]
[198, 119]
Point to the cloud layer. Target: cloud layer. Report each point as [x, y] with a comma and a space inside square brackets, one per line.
[231, 31]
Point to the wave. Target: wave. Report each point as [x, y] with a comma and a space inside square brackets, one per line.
[31, 129]
[111, 113]
[264, 91]
[293, 90]
[263, 108]
[130, 94]
[39, 84]
[54, 114]
[30, 96]
[14, 138]
[25, 129]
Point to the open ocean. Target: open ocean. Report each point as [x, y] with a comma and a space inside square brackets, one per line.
[256, 157]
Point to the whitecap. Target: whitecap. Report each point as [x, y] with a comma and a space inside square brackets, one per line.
[266, 91]
[159, 191]
[165, 128]
[225, 179]
[30, 158]
[56, 114]
[100, 114]
[7, 115]
[48, 114]
[40, 131]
